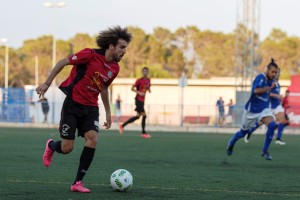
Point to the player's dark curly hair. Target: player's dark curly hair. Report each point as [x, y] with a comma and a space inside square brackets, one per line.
[146, 68]
[112, 36]
[272, 64]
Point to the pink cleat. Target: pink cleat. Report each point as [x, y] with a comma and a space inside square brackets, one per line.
[48, 154]
[121, 129]
[78, 187]
[145, 135]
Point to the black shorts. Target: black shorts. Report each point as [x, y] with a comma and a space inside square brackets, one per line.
[77, 116]
[139, 106]
[45, 110]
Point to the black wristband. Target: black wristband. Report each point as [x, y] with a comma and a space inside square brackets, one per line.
[47, 84]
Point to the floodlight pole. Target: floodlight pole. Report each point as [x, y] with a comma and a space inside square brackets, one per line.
[36, 69]
[182, 83]
[54, 5]
[5, 41]
[6, 65]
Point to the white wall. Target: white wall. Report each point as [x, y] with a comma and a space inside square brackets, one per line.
[163, 103]
[166, 91]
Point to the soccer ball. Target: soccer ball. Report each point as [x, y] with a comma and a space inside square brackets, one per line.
[121, 180]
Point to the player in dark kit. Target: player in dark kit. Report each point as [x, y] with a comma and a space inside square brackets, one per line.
[93, 71]
[141, 86]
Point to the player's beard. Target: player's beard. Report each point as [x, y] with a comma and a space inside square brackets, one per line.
[270, 78]
[118, 58]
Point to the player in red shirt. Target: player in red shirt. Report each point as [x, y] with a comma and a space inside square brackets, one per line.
[141, 86]
[92, 73]
[285, 105]
[285, 100]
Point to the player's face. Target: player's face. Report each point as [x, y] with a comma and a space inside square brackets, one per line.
[119, 50]
[277, 75]
[145, 72]
[287, 94]
[271, 73]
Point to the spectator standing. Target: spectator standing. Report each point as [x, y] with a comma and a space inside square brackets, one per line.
[45, 108]
[118, 111]
[221, 110]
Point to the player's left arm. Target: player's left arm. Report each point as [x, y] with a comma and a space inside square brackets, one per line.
[274, 95]
[149, 89]
[105, 100]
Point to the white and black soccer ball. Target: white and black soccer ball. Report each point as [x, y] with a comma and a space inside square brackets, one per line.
[121, 180]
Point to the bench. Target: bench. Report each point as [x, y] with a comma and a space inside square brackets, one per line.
[196, 119]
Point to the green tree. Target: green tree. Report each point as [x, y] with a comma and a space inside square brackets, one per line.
[166, 53]
[284, 49]
[136, 53]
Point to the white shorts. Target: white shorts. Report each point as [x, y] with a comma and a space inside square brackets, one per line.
[278, 109]
[249, 119]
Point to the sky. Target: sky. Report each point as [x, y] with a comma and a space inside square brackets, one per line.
[27, 19]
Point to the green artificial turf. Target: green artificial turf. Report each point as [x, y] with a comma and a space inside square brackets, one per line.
[167, 166]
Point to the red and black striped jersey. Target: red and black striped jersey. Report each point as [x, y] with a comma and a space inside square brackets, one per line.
[142, 85]
[89, 75]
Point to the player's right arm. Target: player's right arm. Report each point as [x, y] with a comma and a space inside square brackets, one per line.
[81, 57]
[134, 89]
[42, 89]
[259, 90]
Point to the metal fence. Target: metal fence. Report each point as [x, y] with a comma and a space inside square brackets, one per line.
[17, 105]
[200, 115]
[14, 106]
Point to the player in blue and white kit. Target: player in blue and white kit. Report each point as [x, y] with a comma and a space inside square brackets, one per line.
[278, 111]
[257, 109]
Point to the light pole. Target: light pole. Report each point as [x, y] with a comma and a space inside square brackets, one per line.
[5, 41]
[54, 5]
[182, 83]
[36, 70]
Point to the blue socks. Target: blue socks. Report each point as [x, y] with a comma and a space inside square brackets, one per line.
[251, 130]
[269, 136]
[240, 134]
[280, 130]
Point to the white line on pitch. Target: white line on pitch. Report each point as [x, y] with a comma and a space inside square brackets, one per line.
[163, 188]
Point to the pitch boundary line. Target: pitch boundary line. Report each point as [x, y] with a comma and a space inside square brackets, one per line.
[165, 188]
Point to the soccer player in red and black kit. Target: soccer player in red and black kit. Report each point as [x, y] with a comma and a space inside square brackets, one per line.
[141, 86]
[93, 71]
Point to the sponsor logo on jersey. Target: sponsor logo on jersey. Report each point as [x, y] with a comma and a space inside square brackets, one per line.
[106, 65]
[96, 80]
[109, 74]
[262, 98]
[91, 88]
[104, 78]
